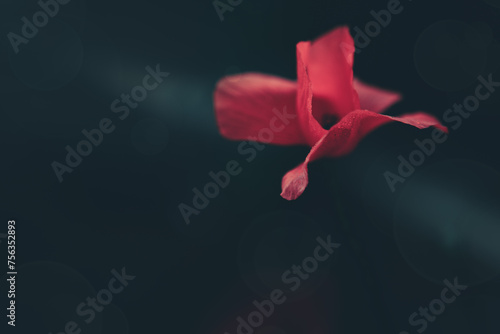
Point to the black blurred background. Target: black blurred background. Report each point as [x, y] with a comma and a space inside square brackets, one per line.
[119, 207]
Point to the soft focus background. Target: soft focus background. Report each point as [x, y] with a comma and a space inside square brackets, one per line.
[119, 207]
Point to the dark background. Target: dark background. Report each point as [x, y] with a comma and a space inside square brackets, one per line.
[119, 207]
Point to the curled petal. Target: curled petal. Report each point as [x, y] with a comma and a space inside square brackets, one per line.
[342, 138]
[258, 107]
[329, 60]
[311, 128]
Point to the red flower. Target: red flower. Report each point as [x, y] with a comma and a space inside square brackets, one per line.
[325, 93]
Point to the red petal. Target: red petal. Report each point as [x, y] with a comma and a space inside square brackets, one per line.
[311, 129]
[329, 61]
[245, 104]
[342, 138]
[374, 98]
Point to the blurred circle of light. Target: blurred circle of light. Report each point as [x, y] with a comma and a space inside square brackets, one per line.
[483, 230]
[444, 60]
[440, 226]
